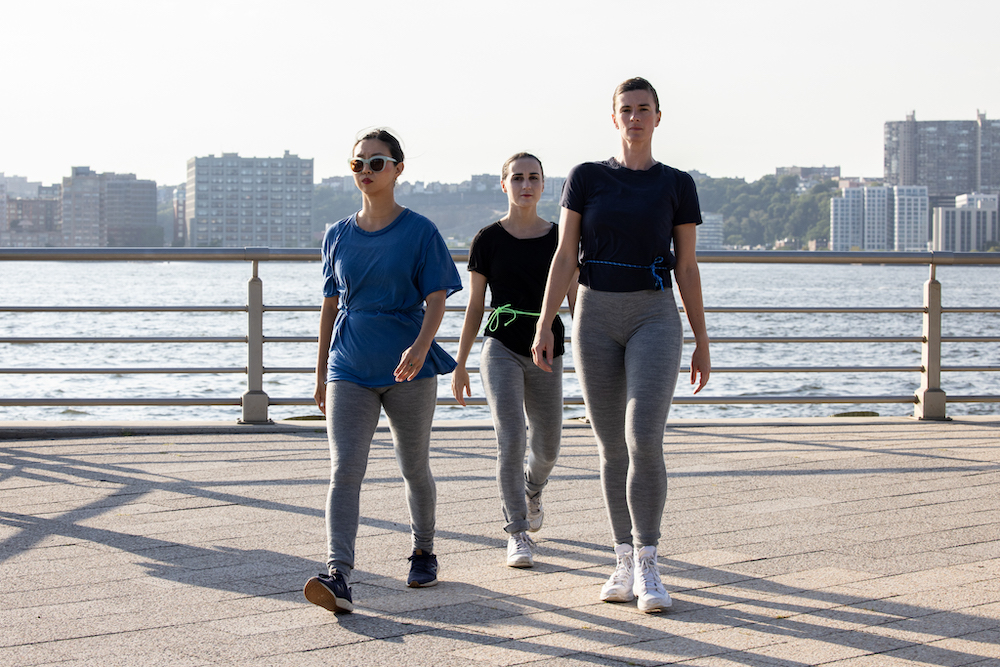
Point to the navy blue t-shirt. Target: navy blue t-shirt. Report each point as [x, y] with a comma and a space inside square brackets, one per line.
[627, 222]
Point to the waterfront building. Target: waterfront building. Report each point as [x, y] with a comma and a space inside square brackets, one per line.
[179, 236]
[236, 202]
[950, 157]
[847, 220]
[710, 235]
[877, 222]
[911, 218]
[19, 186]
[108, 209]
[971, 225]
[879, 218]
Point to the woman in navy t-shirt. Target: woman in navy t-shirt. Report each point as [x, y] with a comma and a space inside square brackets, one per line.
[619, 218]
[512, 258]
[386, 273]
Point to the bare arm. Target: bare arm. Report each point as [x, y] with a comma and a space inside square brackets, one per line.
[470, 327]
[564, 266]
[412, 359]
[327, 316]
[689, 283]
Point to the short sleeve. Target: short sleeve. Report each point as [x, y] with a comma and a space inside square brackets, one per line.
[688, 208]
[331, 286]
[437, 270]
[478, 259]
[573, 193]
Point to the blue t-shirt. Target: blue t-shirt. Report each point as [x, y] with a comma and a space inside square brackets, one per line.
[382, 279]
[627, 222]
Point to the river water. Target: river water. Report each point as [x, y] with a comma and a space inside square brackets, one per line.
[298, 283]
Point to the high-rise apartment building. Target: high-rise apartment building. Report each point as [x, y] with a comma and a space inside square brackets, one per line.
[709, 233]
[878, 218]
[847, 220]
[236, 202]
[971, 225]
[81, 209]
[108, 209]
[912, 218]
[948, 156]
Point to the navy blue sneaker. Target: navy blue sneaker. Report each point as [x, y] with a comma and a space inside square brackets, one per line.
[423, 570]
[330, 591]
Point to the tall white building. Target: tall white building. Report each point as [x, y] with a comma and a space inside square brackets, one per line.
[847, 221]
[912, 218]
[878, 218]
[236, 202]
[878, 223]
[709, 233]
[971, 225]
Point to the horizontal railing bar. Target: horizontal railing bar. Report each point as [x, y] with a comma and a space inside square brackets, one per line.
[686, 400]
[123, 371]
[262, 254]
[454, 339]
[569, 400]
[817, 309]
[475, 369]
[970, 339]
[126, 339]
[58, 402]
[123, 309]
[970, 309]
[729, 369]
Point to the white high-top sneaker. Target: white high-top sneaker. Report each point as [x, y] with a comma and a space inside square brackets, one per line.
[619, 587]
[648, 588]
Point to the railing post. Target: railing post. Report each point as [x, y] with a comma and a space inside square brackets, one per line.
[931, 401]
[255, 401]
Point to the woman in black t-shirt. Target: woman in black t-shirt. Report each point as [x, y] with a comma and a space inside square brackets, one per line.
[512, 257]
[619, 218]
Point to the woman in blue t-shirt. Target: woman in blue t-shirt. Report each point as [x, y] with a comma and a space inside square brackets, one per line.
[387, 273]
[619, 218]
[512, 257]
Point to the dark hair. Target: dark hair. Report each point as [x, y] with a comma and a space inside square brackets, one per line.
[383, 135]
[518, 156]
[635, 83]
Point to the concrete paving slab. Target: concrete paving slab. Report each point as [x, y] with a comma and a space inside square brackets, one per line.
[790, 543]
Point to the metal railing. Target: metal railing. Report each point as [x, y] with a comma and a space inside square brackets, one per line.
[930, 401]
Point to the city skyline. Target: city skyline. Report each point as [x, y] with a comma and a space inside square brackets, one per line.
[744, 88]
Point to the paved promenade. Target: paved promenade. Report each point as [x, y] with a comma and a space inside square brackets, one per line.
[799, 542]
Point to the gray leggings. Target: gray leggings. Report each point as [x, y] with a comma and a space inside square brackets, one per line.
[515, 386]
[352, 413]
[627, 349]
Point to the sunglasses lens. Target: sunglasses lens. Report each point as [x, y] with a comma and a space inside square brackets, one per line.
[357, 166]
[377, 163]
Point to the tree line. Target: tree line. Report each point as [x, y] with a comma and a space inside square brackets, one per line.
[755, 214]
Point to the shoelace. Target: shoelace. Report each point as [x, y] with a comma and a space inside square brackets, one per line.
[650, 574]
[623, 571]
[524, 541]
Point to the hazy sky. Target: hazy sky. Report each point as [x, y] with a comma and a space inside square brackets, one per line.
[137, 86]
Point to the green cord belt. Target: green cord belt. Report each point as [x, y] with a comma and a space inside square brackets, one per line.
[494, 322]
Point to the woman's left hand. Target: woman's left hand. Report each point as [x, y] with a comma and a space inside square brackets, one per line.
[701, 367]
[410, 363]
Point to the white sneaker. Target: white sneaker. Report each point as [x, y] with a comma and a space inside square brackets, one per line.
[519, 547]
[648, 588]
[619, 587]
[535, 512]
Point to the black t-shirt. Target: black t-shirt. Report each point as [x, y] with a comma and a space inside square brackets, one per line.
[627, 222]
[516, 271]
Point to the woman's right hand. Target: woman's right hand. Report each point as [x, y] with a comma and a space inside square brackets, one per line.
[542, 348]
[319, 395]
[460, 384]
